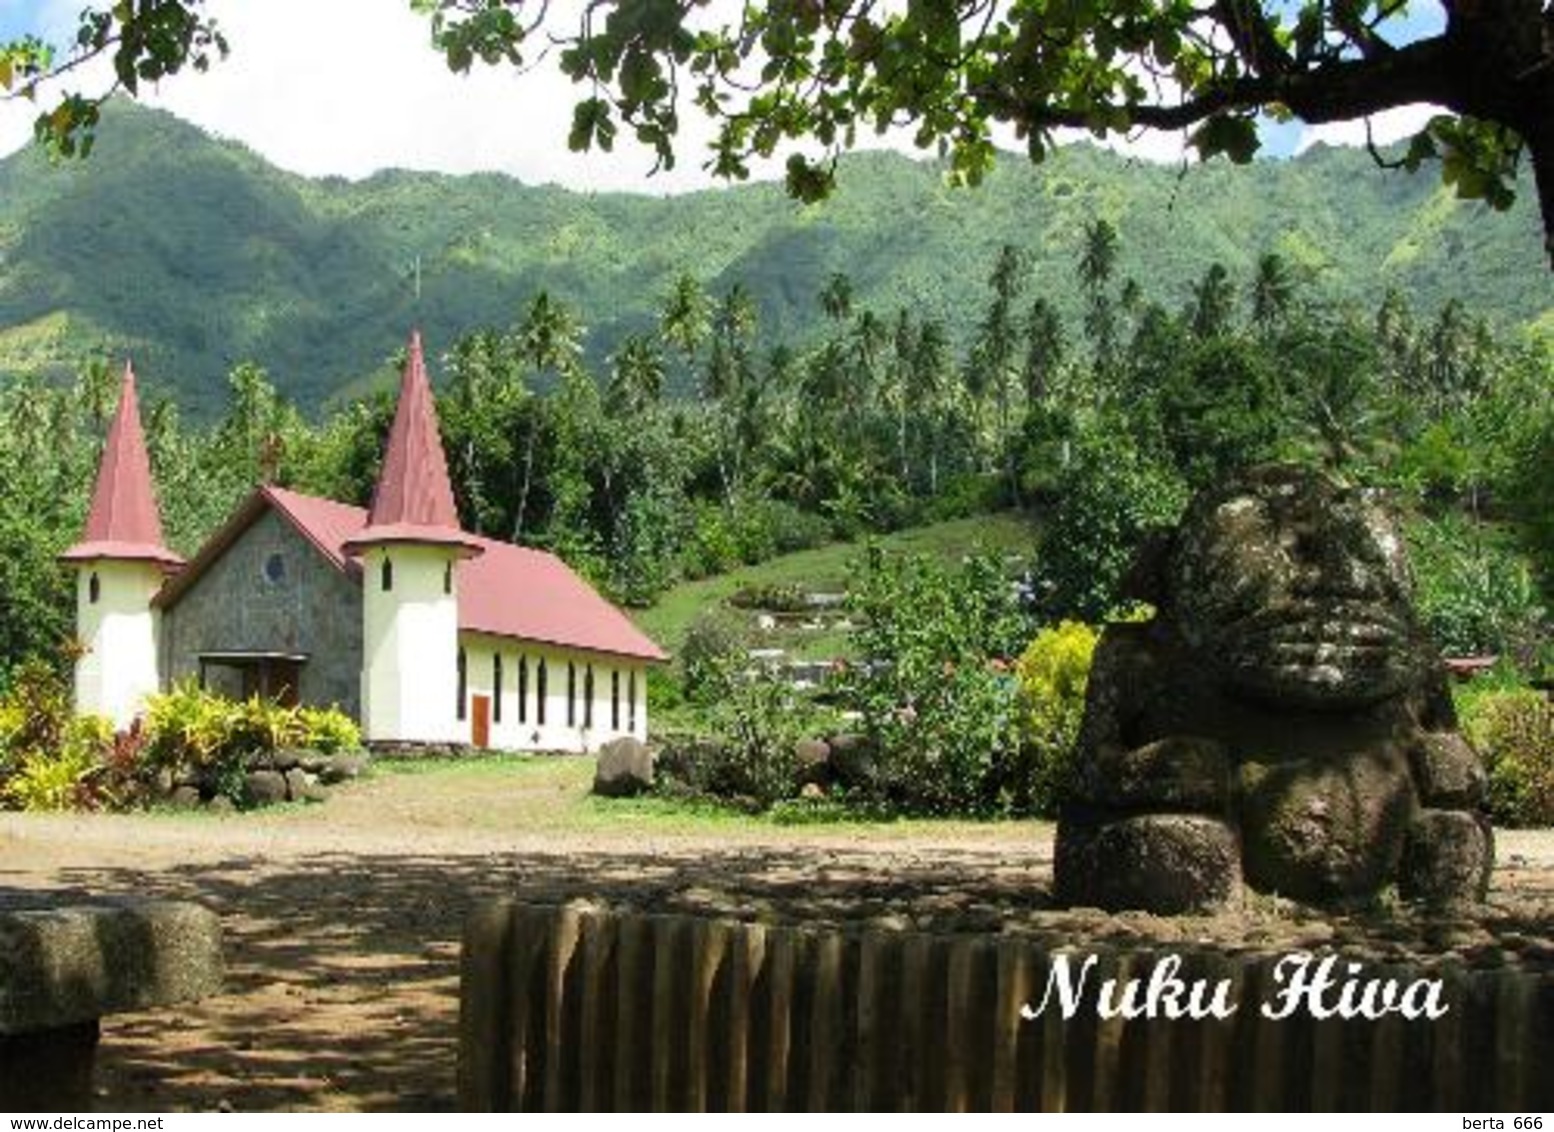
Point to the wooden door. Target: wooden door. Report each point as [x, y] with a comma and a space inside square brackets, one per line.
[480, 711]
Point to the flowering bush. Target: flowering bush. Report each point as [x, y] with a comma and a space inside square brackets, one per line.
[1053, 672]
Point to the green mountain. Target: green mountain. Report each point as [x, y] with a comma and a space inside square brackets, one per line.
[194, 253]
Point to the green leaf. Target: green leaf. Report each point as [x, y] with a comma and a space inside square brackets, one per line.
[1230, 134]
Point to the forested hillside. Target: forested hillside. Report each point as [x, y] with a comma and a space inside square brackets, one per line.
[196, 254]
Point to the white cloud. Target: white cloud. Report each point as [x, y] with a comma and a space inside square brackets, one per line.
[1387, 127]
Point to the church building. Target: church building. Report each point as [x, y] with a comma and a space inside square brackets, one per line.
[423, 632]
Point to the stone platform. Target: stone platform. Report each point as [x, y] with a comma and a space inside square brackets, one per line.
[64, 968]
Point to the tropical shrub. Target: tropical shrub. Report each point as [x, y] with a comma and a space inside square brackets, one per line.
[189, 730]
[934, 687]
[1515, 732]
[1053, 673]
[1108, 498]
[61, 777]
[328, 730]
[757, 726]
[1475, 594]
[714, 647]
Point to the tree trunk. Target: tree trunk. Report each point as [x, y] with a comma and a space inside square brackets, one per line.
[523, 494]
[1540, 147]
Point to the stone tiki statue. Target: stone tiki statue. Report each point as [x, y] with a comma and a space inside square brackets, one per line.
[1282, 720]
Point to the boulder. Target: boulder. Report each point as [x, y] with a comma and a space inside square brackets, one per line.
[222, 805]
[264, 787]
[814, 758]
[852, 759]
[625, 767]
[184, 798]
[1168, 864]
[288, 758]
[303, 787]
[1325, 830]
[1446, 858]
[341, 767]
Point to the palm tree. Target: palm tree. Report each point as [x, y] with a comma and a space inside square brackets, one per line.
[636, 376]
[1214, 303]
[1044, 350]
[1097, 265]
[550, 336]
[685, 321]
[1273, 291]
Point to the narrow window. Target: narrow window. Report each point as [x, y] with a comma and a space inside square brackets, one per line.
[631, 700]
[496, 688]
[463, 682]
[571, 694]
[386, 575]
[447, 578]
[588, 697]
[94, 589]
[523, 689]
[615, 700]
[541, 690]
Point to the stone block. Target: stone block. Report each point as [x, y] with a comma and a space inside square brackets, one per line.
[1167, 864]
[65, 966]
[1446, 858]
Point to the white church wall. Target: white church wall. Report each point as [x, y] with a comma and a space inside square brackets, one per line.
[410, 646]
[525, 726]
[118, 629]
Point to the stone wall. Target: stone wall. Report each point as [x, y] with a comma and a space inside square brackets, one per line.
[580, 1008]
[311, 609]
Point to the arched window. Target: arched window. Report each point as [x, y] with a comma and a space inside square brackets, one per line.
[447, 578]
[571, 694]
[588, 697]
[523, 689]
[463, 682]
[496, 688]
[94, 589]
[541, 690]
[615, 700]
[631, 700]
[386, 574]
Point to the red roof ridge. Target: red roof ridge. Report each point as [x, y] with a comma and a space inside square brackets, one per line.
[413, 500]
[123, 521]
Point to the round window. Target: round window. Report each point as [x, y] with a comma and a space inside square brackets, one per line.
[275, 569]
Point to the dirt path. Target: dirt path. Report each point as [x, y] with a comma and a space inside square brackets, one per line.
[342, 921]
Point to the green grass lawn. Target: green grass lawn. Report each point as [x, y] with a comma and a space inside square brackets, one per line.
[552, 794]
[824, 570]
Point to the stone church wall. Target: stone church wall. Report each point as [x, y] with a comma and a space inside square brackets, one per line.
[245, 602]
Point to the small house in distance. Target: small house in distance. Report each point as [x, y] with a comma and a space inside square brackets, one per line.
[425, 633]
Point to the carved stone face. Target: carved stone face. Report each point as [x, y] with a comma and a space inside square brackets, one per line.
[1296, 590]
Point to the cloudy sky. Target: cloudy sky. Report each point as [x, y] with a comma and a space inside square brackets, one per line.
[351, 86]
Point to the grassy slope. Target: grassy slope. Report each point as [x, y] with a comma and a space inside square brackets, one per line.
[551, 795]
[824, 570]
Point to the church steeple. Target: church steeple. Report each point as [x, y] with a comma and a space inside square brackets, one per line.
[413, 501]
[412, 691]
[123, 523]
[121, 563]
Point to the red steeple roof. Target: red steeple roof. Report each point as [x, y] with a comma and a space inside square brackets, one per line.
[413, 501]
[123, 522]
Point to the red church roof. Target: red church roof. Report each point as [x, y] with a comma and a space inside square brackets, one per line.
[508, 591]
[123, 522]
[413, 501]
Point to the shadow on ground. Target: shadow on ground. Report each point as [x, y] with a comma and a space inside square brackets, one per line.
[342, 988]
